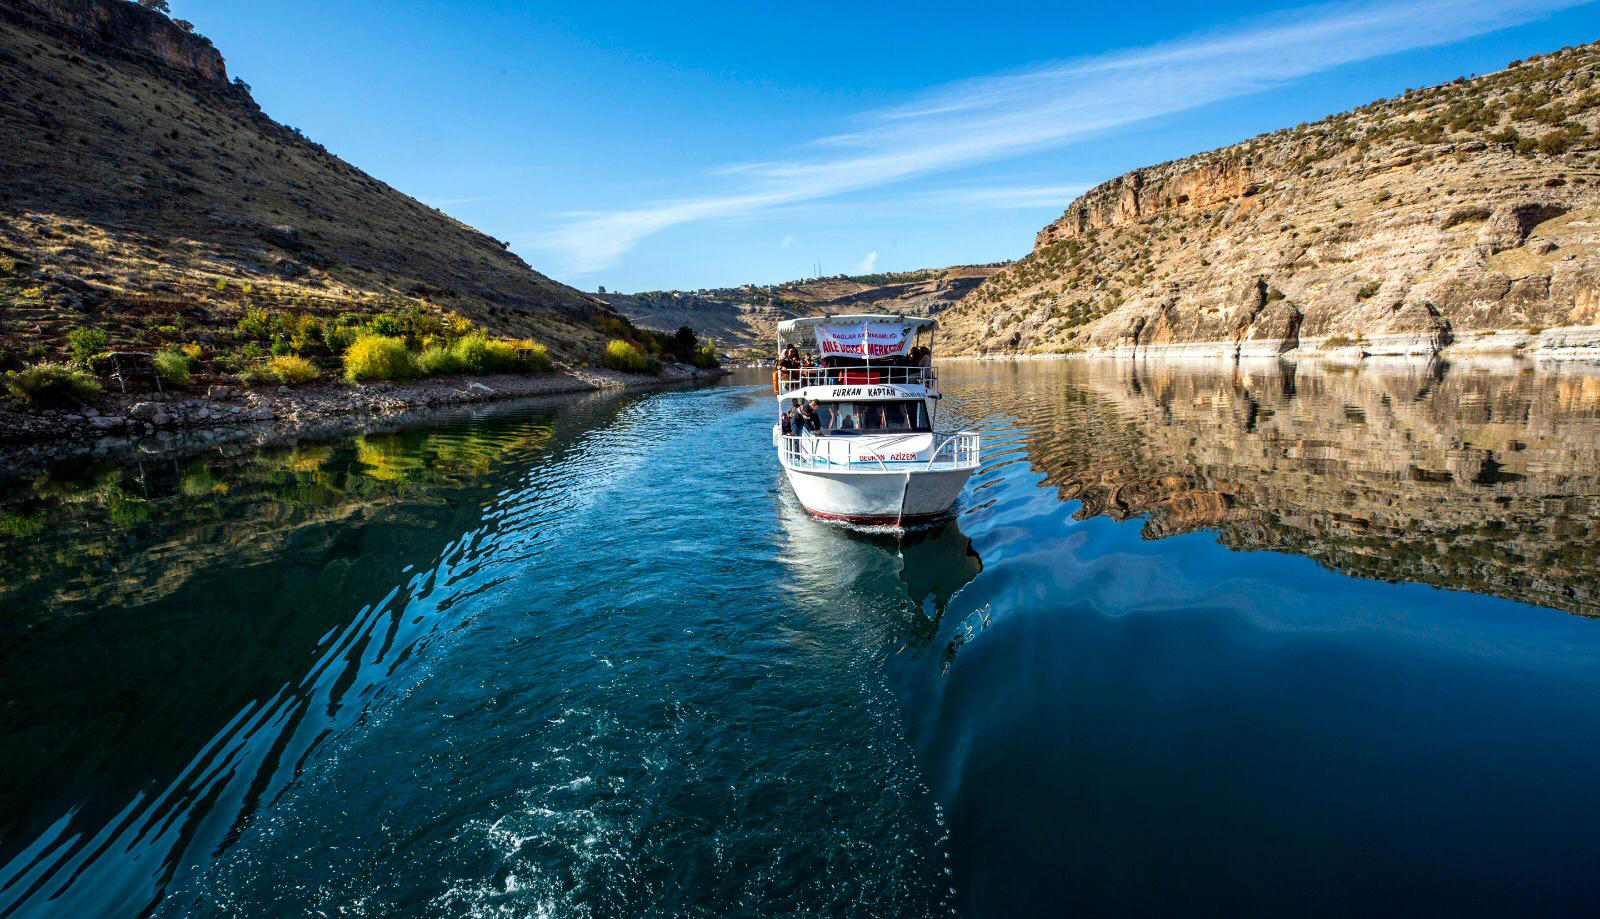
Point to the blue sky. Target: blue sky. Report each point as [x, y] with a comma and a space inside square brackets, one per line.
[650, 145]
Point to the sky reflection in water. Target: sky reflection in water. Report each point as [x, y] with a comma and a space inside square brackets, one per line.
[1201, 640]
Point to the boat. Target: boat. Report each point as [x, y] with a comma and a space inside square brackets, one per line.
[869, 452]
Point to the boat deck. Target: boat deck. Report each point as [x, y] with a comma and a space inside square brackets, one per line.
[952, 451]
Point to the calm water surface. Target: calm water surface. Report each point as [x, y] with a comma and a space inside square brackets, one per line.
[1199, 641]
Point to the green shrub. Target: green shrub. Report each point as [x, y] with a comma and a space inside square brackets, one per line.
[438, 361]
[283, 370]
[289, 370]
[471, 354]
[305, 333]
[338, 336]
[391, 325]
[257, 323]
[1369, 290]
[379, 357]
[173, 367]
[622, 355]
[502, 357]
[706, 357]
[86, 343]
[1337, 341]
[52, 385]
[1554, 142]
[538, 359]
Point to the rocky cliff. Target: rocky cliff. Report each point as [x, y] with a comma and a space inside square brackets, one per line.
[144, 193]
[1464, 216]
[129, 31]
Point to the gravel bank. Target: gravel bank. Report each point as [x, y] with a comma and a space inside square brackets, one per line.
[185, 421]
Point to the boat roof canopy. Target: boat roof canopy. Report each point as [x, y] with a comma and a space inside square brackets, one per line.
[790, 328]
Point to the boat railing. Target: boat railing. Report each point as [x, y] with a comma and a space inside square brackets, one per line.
[951, 451]
[962, 450]
[793, 378]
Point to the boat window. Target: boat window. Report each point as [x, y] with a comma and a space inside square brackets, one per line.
[873, 417]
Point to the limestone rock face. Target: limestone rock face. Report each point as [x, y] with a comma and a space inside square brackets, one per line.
[1444, 218]
[133, 31]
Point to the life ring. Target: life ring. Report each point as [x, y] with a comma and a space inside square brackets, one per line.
[774, 382]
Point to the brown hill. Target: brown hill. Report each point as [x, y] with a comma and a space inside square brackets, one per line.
[747, 316]
[143, 192]
[1464, 216]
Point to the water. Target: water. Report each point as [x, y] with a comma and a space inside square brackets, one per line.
[1199, 641]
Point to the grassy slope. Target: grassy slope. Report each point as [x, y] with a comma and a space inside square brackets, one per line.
[140, 197]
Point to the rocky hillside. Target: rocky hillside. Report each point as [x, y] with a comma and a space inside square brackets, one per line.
[145, 193]
[1464, 216]
[747, 316]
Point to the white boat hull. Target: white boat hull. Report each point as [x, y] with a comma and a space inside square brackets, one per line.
[877, 498]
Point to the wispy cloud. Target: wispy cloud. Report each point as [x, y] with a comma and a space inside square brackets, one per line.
[868, 262]
[1000, 197]
[787, 242]
[991, 118]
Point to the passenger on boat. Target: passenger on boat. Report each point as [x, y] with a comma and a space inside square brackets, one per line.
[787, 421]
[789, 364]
[806, 419]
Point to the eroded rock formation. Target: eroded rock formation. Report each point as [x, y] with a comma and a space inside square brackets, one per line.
[1463, 217]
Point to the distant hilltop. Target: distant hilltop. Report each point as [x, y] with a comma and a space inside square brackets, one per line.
[145, 193]
[748, 315]
[1464, 217]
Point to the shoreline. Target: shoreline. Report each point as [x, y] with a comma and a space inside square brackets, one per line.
[1553, 347]
[160, 424]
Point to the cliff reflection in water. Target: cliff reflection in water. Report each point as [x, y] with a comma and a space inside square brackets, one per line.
[1466, 479]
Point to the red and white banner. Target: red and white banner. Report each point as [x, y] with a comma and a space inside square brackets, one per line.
[869, 340]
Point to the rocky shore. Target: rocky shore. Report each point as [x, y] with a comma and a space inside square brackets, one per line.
[180, 421]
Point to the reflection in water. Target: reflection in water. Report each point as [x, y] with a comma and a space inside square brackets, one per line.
[181, 636]
[591, 658]
[1464, 479]
[490, 666]
[931, 564]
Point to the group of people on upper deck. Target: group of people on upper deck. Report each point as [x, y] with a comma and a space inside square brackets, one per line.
[793, 360]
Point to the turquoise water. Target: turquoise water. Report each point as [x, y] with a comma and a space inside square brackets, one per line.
[1197, 641]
